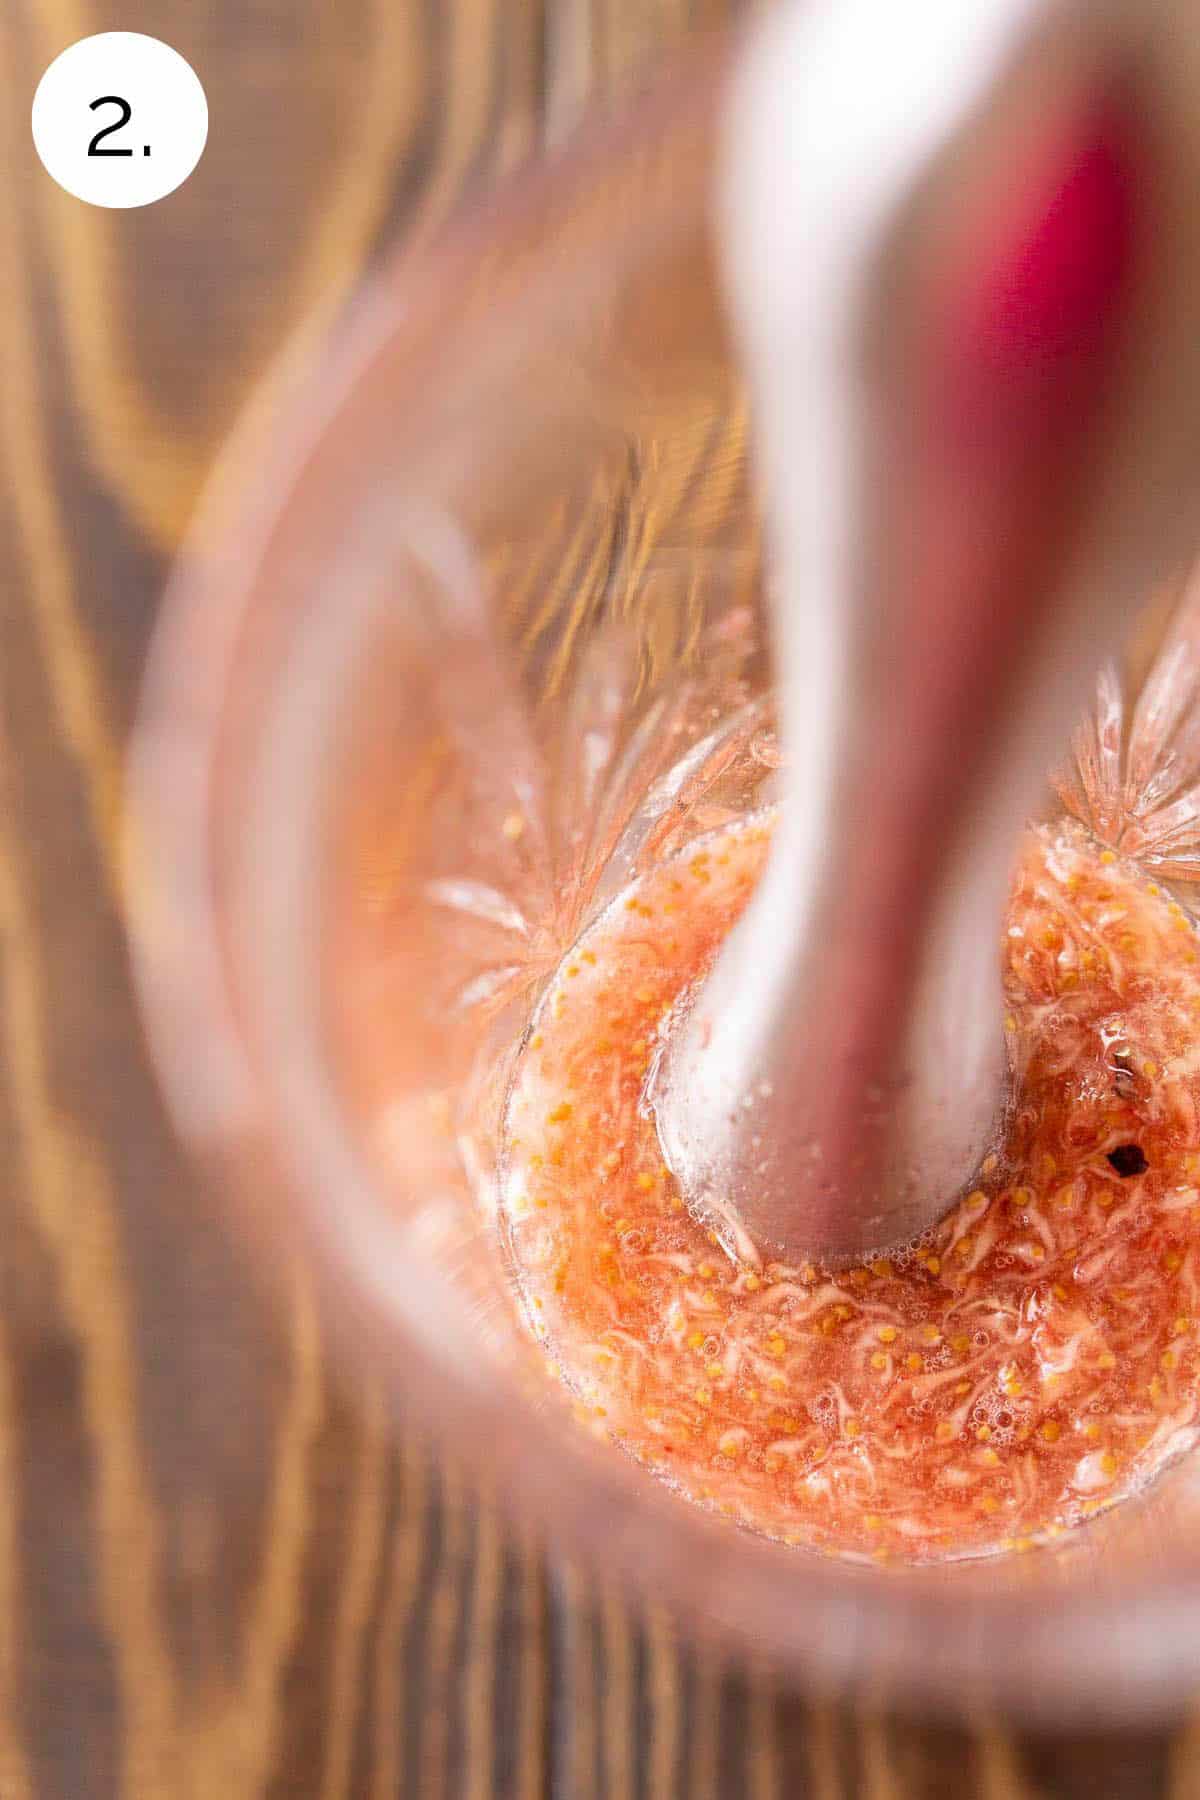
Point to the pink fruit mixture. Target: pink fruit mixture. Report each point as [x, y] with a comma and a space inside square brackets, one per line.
[1030, 1360]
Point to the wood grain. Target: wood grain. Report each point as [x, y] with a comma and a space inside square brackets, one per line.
[220, 1573]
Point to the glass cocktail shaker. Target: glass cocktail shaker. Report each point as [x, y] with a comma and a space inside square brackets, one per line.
[478, 637]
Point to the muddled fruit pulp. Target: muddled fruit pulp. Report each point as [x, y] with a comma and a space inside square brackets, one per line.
[1032, 1359]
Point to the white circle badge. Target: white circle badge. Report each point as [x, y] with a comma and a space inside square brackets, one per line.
[120, 119]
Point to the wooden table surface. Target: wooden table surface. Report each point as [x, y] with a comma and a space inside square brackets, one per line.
[219, 1575]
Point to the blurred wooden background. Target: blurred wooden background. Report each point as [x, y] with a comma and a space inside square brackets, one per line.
[219, 1576]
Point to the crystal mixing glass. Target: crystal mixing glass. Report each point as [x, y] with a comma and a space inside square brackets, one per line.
[482, 637]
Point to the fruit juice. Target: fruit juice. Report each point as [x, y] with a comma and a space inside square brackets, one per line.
[1032, 1359]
